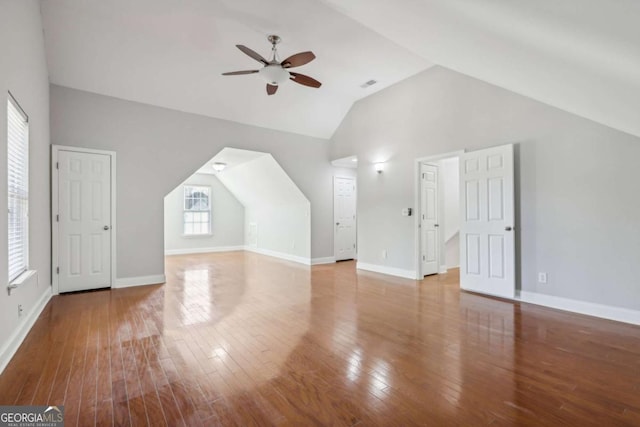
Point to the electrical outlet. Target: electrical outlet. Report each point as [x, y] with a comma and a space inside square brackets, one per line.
[542, 277]
[20, 310]
[384, 254]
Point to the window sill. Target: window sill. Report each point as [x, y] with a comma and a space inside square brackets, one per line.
[23, 277]
[18, 281]
[197, 236]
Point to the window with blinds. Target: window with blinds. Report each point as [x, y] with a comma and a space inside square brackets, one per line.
[18, 188]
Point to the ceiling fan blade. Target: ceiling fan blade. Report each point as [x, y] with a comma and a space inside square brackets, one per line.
[237, 73]
[271, 89]
[252, 54]
[298, 59]
[304, 80]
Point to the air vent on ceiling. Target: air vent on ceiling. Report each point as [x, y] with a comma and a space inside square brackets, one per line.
[369, 83]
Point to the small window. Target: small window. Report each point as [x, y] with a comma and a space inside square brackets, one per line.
[197, 210]
[18, 188]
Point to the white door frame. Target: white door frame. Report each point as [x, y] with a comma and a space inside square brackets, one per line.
[416, 203]
[355, 181]
[55, 256]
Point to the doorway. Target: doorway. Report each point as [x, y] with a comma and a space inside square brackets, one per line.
[486, 232]
[83, 218]
[438, 214]
[429, 215]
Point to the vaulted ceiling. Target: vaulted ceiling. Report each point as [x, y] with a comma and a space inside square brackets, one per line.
[171, 53]
[582, 57]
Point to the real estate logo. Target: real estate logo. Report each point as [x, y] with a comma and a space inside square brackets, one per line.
[31, 416]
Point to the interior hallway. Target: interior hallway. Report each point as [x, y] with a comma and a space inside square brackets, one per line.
[239, 338]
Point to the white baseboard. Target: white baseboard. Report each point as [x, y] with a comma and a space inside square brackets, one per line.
[23, 329]
[324, 260]
[281, 255]
[392, 271]
[267, 252]
[619, 314]
[203, 250]
[442, 269]
[127, 282]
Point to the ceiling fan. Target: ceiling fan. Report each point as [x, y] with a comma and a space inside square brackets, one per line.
[276, 72]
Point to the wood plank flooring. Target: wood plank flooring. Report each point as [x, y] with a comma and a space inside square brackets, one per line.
[242, 339]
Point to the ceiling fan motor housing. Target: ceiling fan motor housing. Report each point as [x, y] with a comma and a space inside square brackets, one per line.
[274, 74]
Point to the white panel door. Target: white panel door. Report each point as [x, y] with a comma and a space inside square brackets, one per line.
[487, 240]
[344, 214]
[84, 221]
[429, 226]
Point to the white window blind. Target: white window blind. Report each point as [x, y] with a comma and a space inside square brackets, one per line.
[197, 210]
[18, 188]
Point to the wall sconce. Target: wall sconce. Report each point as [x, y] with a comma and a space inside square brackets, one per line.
[379, 167]
[219, 166]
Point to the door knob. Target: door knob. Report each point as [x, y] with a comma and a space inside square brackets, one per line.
[507, 228]
[337, 223]
[436, 225]
[106, 227]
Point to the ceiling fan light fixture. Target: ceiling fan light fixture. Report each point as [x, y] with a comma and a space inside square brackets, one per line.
[274, 74]
[219, 166]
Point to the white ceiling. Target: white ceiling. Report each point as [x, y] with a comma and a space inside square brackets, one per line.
[255, 178]
[232, 157]
[580, 56]
[171, 53]
[262, 184]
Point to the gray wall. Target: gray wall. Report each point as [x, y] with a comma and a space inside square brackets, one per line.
[577, 181]
[450, 211]
[23, 71]
[227, 217]
[274, 203]
[159, 148]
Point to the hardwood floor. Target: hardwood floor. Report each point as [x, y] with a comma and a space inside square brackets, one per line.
[243, 339]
